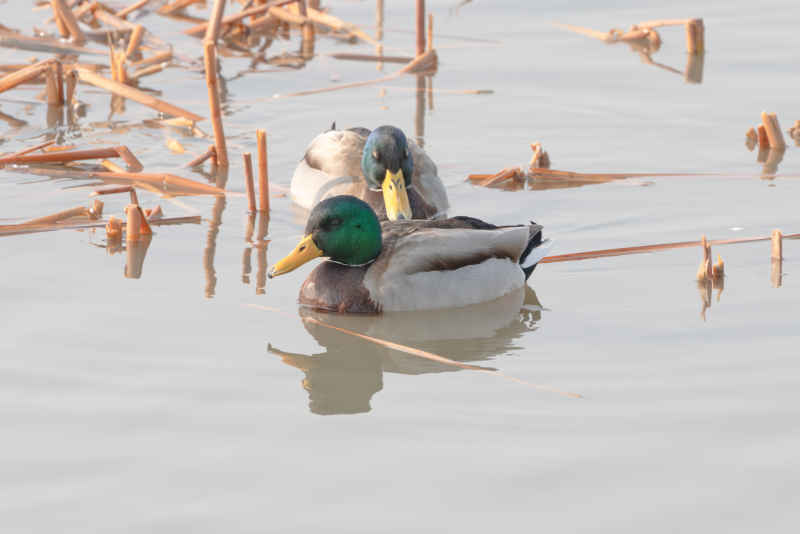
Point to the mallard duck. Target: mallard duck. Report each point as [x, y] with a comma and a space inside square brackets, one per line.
[394, 176]
[408, 265]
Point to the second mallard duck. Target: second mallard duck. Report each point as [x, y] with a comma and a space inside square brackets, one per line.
[408, 265]
[394, 176]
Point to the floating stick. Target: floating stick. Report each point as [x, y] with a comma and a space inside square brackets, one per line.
[164, 182]
[80, 211]
[134, 94]
[589, 255]
[213, 101]
[248, 180]
[40, 44]
[31, 149]
[61, 157]
[370, 57]
[122, 13]
[263, 176]
[420, 12]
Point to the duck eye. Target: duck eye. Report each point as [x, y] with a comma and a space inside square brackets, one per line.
[375, 155]
[405, 154]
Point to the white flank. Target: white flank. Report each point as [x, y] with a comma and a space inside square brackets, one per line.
[448, 289]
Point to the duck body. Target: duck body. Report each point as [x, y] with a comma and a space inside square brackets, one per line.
[409, 265]
[335, 163]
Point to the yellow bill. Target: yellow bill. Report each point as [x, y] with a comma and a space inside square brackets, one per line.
[395, 196]
[304, 252]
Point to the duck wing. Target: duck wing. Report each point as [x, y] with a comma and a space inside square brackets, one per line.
[426, 179]
[331, 166]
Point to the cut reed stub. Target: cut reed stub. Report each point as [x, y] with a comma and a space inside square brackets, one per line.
[763, 140]
[199, 160]
[777, 245]
[794, 132]
[263, 175]
[718, 271]
[248, 181]
[540, 158]
[695, 36]
[113, 229]
[706, 270]
[773, 130]
[751, 139]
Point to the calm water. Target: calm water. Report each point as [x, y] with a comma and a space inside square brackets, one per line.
[195, 400]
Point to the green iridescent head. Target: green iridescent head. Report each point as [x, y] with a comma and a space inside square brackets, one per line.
[342, 228]
[388, 166]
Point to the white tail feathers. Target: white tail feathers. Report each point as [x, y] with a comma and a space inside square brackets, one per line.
[536, 255]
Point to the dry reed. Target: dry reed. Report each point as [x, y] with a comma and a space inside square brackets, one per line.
[221, 151]
[135, 94]
[263, 176]
[248, 181]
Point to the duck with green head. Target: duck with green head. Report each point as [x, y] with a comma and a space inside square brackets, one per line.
[408, 265]
[393, 175]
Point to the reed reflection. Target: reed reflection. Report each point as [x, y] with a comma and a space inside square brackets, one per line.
[344, 377]
[221, 178]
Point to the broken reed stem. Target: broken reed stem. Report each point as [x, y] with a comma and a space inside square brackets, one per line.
[134, 94]
[773, 130]
[122, 13]
[231, 19]
[31, 149]
[134, 41]
[212, 32]
[152, 69]
[213, 102]
[161, 57]
[777, 245]
[67, 17]
[80, 211]
[420, 12]
[263, 176]
[604, 253]
[61, 157]
[199, 160]
[9, 81]
[248, 181]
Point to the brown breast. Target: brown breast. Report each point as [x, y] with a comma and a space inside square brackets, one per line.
[337, 288]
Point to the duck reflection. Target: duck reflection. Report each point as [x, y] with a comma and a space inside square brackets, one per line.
[343, 378]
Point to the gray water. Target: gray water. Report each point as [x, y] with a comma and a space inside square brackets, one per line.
[191, 400]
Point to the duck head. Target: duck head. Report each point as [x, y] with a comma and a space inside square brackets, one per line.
[387, 166]
[342, 228]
